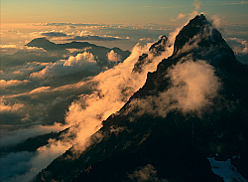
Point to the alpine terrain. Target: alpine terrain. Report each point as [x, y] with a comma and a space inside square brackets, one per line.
[187, 123]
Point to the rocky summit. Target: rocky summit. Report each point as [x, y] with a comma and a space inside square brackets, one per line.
[190, 114]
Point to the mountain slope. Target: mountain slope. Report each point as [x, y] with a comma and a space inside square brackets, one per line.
[192, 108]
[43, 43]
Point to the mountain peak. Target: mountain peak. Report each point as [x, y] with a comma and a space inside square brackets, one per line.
[198, 26]
[43, 43]
[198, 35]
[153, 129]
[199, 19]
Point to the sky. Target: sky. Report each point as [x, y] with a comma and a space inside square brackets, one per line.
[132, 20]
[115, 11]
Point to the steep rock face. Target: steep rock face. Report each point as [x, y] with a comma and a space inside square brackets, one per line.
[158, 137]
[160, 46]
[156, 49]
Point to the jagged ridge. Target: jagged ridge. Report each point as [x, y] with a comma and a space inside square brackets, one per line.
[131, 141]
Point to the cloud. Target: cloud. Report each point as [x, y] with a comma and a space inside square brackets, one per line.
[238, 3]
[11, 83]
[145, 39]
[93, 38]
[216, 20]
[193, 87]
[9, 138]
[84, 35]
[85, 114]
[41, 89]
[54, 34]
[80, 62]
[89, 110]
[10, 46]
[73, 50]
[146, 173]
[10, 108]
[181, 15]
[67, 24]
[195, 84]
[14, 163]
[240, 49]
[238, 46]
[25, 165]
[113, 57]
[197, 4]
[23, 71]
[11, 49]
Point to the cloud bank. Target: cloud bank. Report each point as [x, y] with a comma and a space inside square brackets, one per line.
[54, 34]
[11, 83]
[84, 36]
[81, 62]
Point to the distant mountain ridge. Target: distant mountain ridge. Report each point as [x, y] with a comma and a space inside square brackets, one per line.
[53, 52]
[171, 145]
[43, 43]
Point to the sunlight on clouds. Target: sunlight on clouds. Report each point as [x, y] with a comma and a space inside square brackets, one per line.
[11, 83]
[40, 90]
[86, 113]
[9, 138]
[11, 49]
[193, 86]
[80, 62]
[113, 57]
[7, 107]
[89, 110]
[196, 4]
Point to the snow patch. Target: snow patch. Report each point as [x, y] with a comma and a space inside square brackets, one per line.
[226, 170]
[211, 38]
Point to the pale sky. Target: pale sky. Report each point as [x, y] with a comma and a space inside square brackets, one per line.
[131, 21]
[116, 11]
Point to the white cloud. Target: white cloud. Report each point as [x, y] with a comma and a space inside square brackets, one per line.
[239, 46]
[217, 21]
[11, 49]
[113, 57]
[17, 136]
[25, 165]
[146, 173]
[180, 16]
[14, 163]
[82, 61]
[72, 50]
[25, 70]
[87, 112]
[8, 107]
[196, 4]
[194, 83]
[11, 83]
[193, 86]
